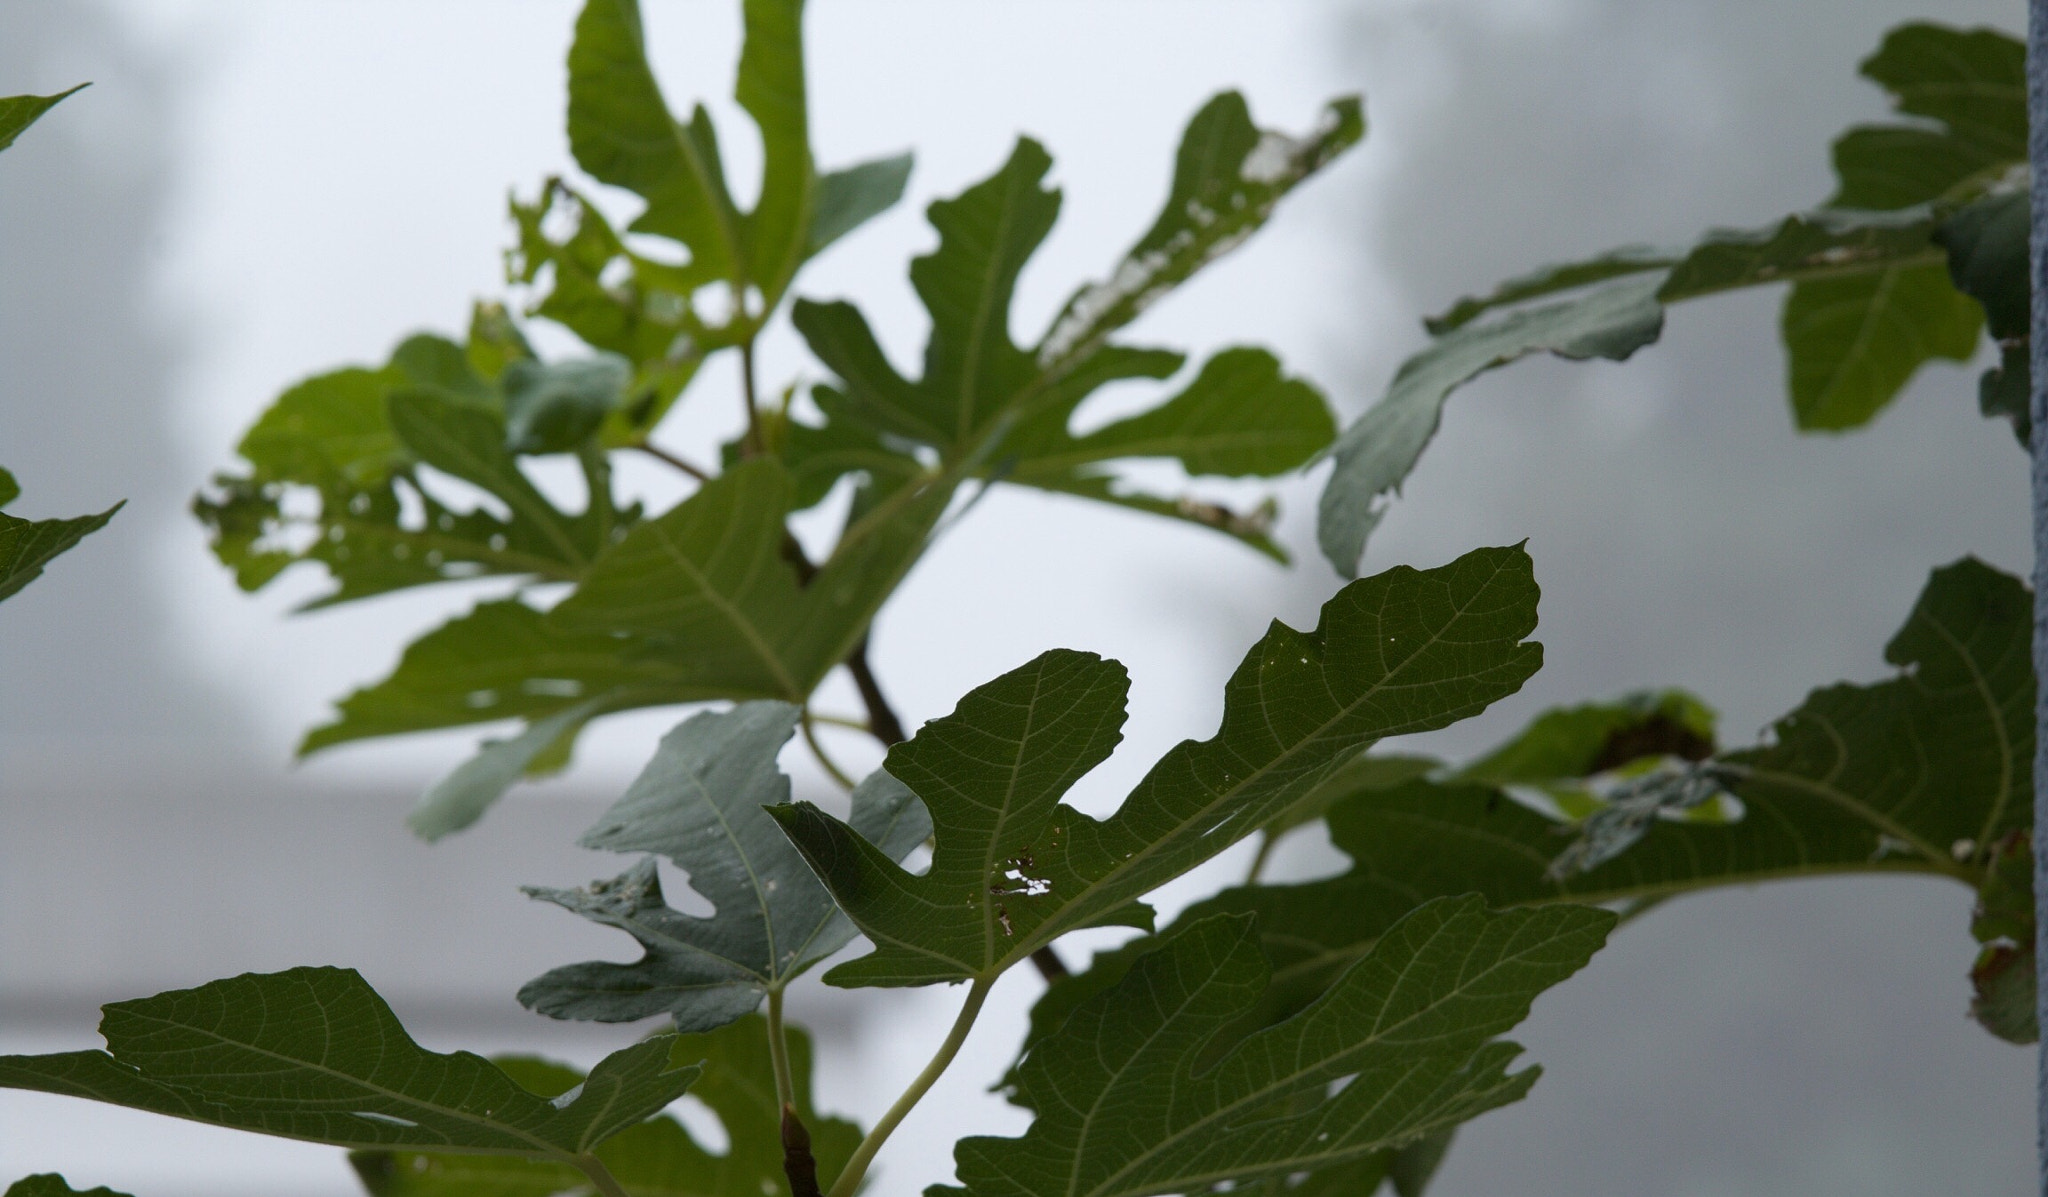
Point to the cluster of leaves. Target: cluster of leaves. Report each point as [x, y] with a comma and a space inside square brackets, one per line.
[1922, 246]
[1303, 1039]
[417, 472]
[26, 546]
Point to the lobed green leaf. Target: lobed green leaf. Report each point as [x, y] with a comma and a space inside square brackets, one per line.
[1143, 1091]
[699, 802]
[1013, 868]
[657, 1158]
[314, 1053]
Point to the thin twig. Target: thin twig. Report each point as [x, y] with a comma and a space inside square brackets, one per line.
[1050, 966]
[818, 750]
[660, 454]
[864, 1155]
[882, 721]
[1265, 853]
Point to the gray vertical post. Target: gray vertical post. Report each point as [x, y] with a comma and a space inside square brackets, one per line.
[2037, 152]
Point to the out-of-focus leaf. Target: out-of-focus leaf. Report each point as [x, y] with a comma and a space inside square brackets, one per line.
[658, 1158]
[49, 1184]
[553, 408]
[1013, 868]
[314, 1053]
[1576, 742]
[1853, 342]
[505, 660]
[1971, 84]
[1228, 176]
[462, 797]
[1007, 410]
[19, 112]
[1987, 260]
[26, 546]
[1807, 245]
[848, 199]
[1132, 1099]
[1551, 280]
[699, 803]
[335, 477]
[1375, 455]
[709, 582]
[2003, 975]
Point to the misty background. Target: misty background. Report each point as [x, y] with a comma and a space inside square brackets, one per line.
[251, 193]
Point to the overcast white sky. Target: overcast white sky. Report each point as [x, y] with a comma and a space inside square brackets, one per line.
[252, 192]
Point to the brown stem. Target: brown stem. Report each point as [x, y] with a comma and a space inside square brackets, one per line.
[660, 454]
[882, 720]
[797, 1161]
[1050, 966]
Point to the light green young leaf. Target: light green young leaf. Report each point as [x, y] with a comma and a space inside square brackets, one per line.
[1970, 83]
[1375, 455]
[49, 1184]
[17, 113]
[354, 440]
[1013, 869]
[658, 1158]
[1132, 1099]
[314, 1053]
[699, 803]
[26, 546]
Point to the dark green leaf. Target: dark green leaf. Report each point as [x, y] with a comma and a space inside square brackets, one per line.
[1970, 83]
[26, 546]
[1809, 245]
[19, 112]
[10, 490]
[49, 1184]
[314, 1053]
[699, 803]
[657, 1158]
[771, 88]
[1987, 259]
[2004, 975]
[1414, 1166]
[1401, 652]
[1916, 774]
[848, 199]
[1375, 455]
[1131, 1098]
[2006, 389]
